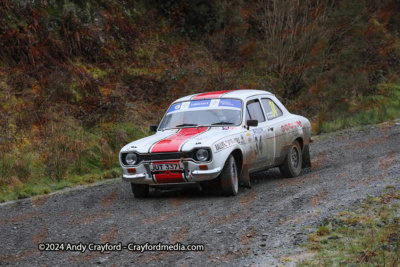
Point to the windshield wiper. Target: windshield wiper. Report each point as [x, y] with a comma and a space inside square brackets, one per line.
[222, 123]
[186, 124]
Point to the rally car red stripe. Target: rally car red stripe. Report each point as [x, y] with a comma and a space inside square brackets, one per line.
[174, 142]
[151, 147]
[214, 94]
[169, 177]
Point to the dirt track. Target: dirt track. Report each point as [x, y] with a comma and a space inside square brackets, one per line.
[260, 225]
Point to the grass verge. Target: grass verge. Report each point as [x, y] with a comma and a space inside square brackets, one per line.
[368, 236]
[368, 110]
[71, 155]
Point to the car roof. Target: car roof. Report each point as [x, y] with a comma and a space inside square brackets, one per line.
[241, 94]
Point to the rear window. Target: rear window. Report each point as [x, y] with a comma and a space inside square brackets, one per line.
[271, 109]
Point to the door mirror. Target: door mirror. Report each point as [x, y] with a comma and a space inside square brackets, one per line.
[153, 128]
[252, 123]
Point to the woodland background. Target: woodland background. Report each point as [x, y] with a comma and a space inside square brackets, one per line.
[80, 79]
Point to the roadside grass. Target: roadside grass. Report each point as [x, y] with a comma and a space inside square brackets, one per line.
[368, 110]
[46, 185]
[70, 156]
[369, 236]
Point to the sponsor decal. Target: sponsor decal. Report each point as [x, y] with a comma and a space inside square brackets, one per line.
[257, 131]
[185, 105]
[220, 146]
[174, 107]
[233, 103]
[199, 103]
[227, 143]
[214, 103]
[228, 128]
[291, 125]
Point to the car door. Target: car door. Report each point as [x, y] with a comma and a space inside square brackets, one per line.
[276, 139]
[264, 135]
[256, 152]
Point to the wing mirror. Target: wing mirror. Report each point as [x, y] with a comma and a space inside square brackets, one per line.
[251, 123]
[153, 128]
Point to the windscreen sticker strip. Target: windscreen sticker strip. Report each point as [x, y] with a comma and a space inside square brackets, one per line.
[208, 103]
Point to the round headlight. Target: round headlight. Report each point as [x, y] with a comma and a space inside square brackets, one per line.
[131, 158]
[202, 154]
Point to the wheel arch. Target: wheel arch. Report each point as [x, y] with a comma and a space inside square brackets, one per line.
[238, 155]
[301, 142]
[306, 160]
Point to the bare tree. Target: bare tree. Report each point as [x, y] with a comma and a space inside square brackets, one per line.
[289, 33]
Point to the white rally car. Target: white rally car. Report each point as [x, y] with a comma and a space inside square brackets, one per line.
[218, 138]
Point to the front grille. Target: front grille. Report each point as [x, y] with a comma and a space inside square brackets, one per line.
[161, 156]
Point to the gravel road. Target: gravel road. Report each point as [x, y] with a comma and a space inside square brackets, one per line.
[258, 227]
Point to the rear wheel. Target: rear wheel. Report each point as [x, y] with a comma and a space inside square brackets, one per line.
[229, 178]
[291, 166]
[140, 190]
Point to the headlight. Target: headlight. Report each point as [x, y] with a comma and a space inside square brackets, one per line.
[202, 154]
[131, 158]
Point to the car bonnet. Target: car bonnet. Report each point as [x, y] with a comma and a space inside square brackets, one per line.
[183, 139]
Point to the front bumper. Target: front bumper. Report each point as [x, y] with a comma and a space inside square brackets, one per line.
[130, 177]
[190, 173]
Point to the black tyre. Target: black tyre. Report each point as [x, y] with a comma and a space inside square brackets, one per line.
[140, 190]
[229, 178]
[291, 166]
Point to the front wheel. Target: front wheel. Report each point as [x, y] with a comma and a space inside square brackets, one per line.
[229, 178]
[291, 166]
[140, 190]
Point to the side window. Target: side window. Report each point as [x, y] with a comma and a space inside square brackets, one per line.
[255, 111]
[271, 109]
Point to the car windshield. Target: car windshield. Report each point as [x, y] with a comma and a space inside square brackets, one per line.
[216, 112]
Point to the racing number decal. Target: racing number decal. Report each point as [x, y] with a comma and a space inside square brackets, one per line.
[274, 113]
